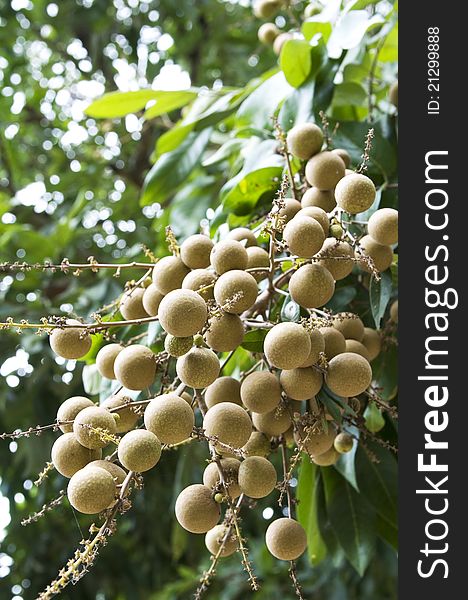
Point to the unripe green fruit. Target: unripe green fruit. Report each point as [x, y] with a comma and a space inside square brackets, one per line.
[393, 93]
[69, 456]
[201, 281]
[348, 374]
[267, 33]
[324, 199]
[372, 341]
[286, 539]
[382, 256]
[301, 384]
[91, 490]
[350, 325]
[139, 450]
[230, 468]
[357, 348]
[214, 539]
[304, 236]
[198, 368]
[225, 333]
[236, 291]
[304, 140]
[105, 359]
[324, 170]
[196, 510]
[257, 258]
[261, 392]
[344, 155]
[135, 367]
[182, 313]
[311, 286]
[219, 498]
[69, 409]
[316, 442]
[152, 299]
[335, 342]
[71, 342]
[258, 445]
[228, 422]
[317, 345]
[170, 418]
[118, 474]
[327, 459]
[93, 417]
[224, 389]
[257, 477]
[290, 210]
[287, 345]
[195, 251]
[244, 235]
[127, 418]
[177, 346]
[383, 226]
[265, 9]
[280, 41]
[336, 231]
[168, 274]
[394, 311]
[318, 214]
[131, 304]
[273, 423]
[339, 268]
[343, 443]
[355, 193]
[228, 255]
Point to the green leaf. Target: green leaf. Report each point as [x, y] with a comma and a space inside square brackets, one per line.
[374, 418]
[385, 372]
[253, 340]
[313, 27]
[262, 104]
[387, 532]
[119, 104]
[349, 94]
[290, 311]
[91, 379]
[342, 298]
[298, 107]
[168, 101]
[309, 482]
[346, 464]
[296, 61]
[380, 292]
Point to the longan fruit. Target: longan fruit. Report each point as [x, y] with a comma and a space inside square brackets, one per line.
[69, 409]
[228, 422]
[317, 345]
[290, 209]
[225, 333]
[69, 456]
[170, 418]
[214, 539]
[393, 93]
[196, 510]
[304, 236]
[258, 258]
[324, 199]
[267, 33]
[394, 311]
[382, 256]
[304, 140]
[316, 442]
[257, 477]
[94, 417]
[339, 268]
[324, 170]
[348, 374]
[372, 341]
[357, 348]
[127, 418]
[139, 450]
[344, 155]
[105, 359]
[235, 291]
[350, 326]
[287, 345]
[177, 346]
[224, 389]
[131, 304]
[168, 274]
[265, 9]
[383, 226]
[228, 255]
[91, 490]
[152, 299]
[200, 281]
[327, 459]
[301, 384]
[273, 423]
[135, 367]
[335, 342]
[118, 474]
[230, 468]
[355, 193]
[71, 342]
[195, 251]
[318, 214]
[260, 392]
[243, 234]
[343, 443]
[280, 41]
[182, 313]
[286, 539]
[198, 368]
[258, 445]
[311, 286]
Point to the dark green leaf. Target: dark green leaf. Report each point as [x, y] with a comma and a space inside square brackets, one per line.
[380, 292]
[253, 340]
[309, 482]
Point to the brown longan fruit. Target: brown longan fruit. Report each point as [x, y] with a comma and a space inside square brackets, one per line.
[70, 342]
[348, 374]
[152, 299]
[317, 346]
[290, 209]
[324, 199]
[257, 477]
[69, 409]
[182, 313]
[229, 422]
[350, 325]
[69, 456]
[393, 93]
[168, 274]
[301, 384]
[343, 443]
[318, 214]
[200, 281]
[230, 468]
[139, 450]
[335, 342]
[214, 539]
[267, 33]
[177, 346]
[304, 140]
[265, 9]
[316, 442]
[195, 251]
[383, 226]
[258, 445]
[324, 170]
[118, 474]
[94, 417]
[235, 291]
[304, 236]
[357, 348]
[196, 510]
[91, 490]
[131, 304]
[311, 286]
[170, 418]
[127, 418]
[355, 193]
[258, 258]
[228, 255]
[135, 367]
[261, 392]
[327, 459]
[382, 256]
[243, 234]
[339, 268]
[287, 345]
[225, 333]
[198, 368]
[105, 359]
[273, 423]
[372, 341]
[344, 155]
[286, 539]
[224, 389]
[394, 311]
[280, 41]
